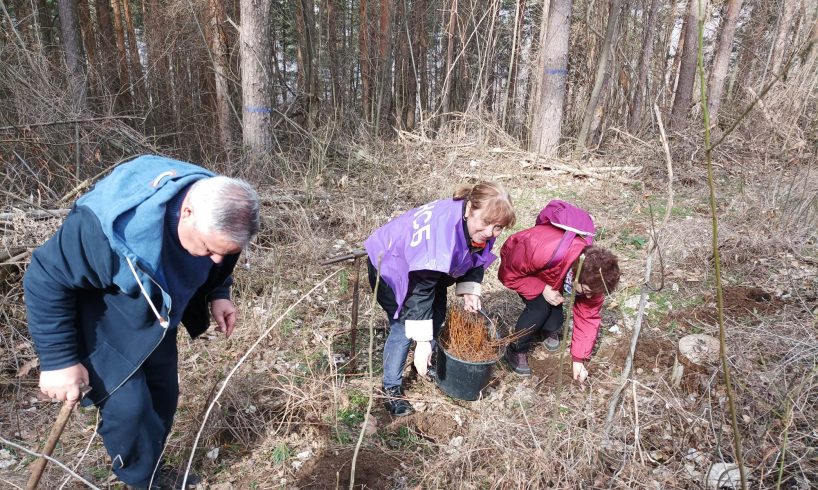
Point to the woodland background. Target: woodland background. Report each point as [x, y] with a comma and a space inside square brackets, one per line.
[343, 114]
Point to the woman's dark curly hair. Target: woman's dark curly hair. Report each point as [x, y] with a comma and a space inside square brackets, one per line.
[600, 271]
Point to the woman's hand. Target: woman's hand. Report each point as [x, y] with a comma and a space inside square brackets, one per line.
[580, 373]
[471, 302]
[553, 298]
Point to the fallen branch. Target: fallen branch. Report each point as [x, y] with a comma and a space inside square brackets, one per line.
[50, 459]
[36, 214]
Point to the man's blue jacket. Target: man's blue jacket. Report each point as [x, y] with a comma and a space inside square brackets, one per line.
[94, 292]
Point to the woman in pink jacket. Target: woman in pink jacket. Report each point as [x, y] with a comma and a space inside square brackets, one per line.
[524, 258]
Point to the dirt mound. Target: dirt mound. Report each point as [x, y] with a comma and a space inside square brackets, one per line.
[429, 425]
[651, 353]
[374, 469]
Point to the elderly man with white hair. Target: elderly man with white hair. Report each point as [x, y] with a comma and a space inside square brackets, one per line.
[149, 247]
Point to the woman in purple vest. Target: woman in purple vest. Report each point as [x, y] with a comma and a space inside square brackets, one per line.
[421, 253]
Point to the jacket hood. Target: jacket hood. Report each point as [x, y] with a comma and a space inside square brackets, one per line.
[130, 204]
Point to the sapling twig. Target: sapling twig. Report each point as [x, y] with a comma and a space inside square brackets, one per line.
[717, 258]
[368, 413]
[565, 325]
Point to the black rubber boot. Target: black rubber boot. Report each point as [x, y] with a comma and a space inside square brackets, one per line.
[395, 403]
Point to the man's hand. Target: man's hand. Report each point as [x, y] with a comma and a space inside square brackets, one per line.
[423, 357]
[224, 313]
[471, 302]
[553, 298]
[64, 384]
[580, 373]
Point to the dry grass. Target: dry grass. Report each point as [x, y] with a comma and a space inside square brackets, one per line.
[291, 403]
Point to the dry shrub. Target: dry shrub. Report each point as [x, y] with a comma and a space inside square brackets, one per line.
[466, 336]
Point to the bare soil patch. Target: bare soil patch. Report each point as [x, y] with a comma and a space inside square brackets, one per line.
[651, 353]
[375, 469]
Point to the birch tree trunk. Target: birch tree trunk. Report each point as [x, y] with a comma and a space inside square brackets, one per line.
[256, 85]
[545, 130]
[721, 61]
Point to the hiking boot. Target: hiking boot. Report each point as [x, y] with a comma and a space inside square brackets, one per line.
[518, 362]
[552, 341]
[395, 403]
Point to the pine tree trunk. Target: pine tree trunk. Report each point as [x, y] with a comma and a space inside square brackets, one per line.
[338, 99]
[640, 90]
[366, 62]
[687, 68]
[601, 71]
[122, 57]
[383, 87]
[74, 58]
[137, 74]
[721, 61]
[545, 129]
[256, 86]
[307, 87]
[221, 67]
[90, 42]
[109, 65]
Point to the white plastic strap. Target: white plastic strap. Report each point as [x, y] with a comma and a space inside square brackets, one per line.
[164, 323]
[575, 230]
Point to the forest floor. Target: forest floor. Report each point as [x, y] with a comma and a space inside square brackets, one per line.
[293, 411]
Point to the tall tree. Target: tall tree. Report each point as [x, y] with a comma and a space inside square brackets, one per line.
[74, 57]
[513, 64]
[137, 74]
[364, 36]
[601, 71]
[334, 51]
[547, 120]
[640, 89]
[122, 57]
[687, 66]
[221, 68]
[721, 61]
[447, 80]
[307, 77]
[256, 85]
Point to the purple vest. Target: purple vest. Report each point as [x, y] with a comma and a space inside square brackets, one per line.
[428, 238]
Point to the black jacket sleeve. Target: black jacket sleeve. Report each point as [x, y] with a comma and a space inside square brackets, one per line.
[421, 295]
[76, 258]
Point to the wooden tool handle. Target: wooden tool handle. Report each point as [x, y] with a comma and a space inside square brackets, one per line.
[56, 432]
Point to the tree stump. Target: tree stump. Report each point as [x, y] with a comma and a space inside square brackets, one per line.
[696, 356]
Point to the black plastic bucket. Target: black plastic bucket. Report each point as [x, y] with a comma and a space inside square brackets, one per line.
[461, 379]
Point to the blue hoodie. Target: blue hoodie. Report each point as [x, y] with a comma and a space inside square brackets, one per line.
[94, 291]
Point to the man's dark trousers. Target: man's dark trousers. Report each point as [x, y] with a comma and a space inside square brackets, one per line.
[137, 417]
